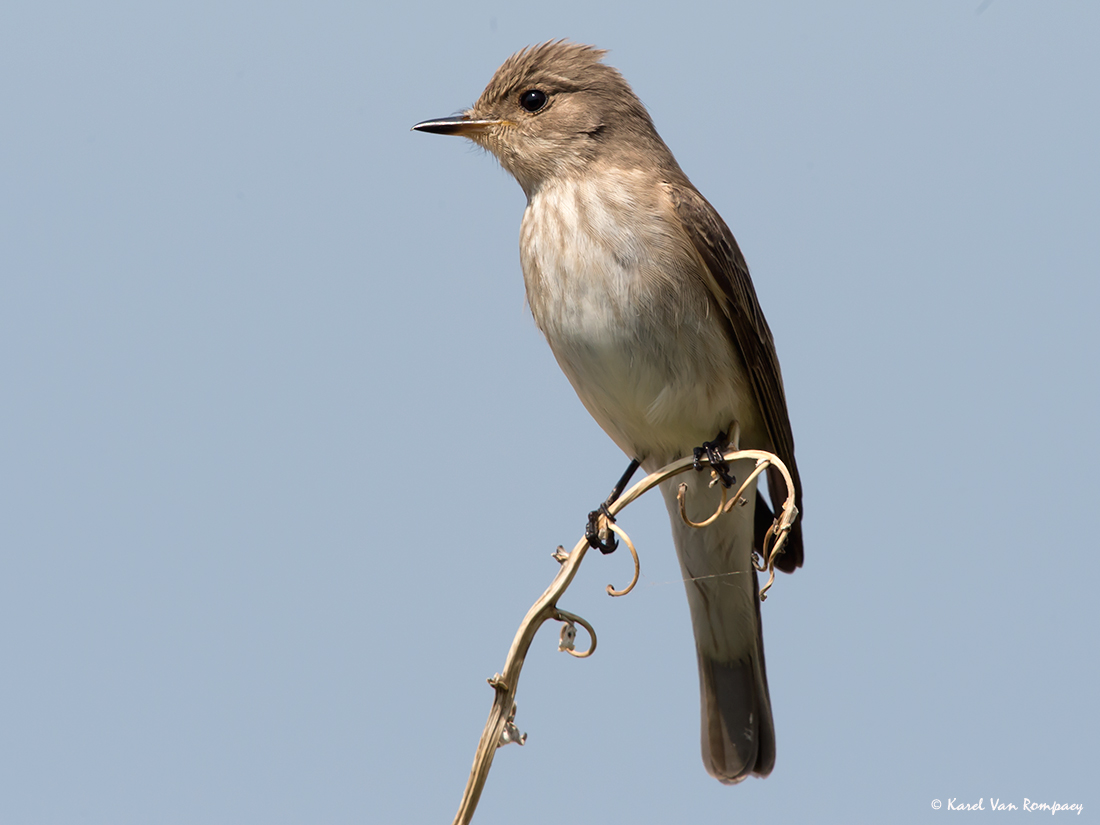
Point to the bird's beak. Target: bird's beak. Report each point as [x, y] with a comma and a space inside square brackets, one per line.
[463, 125]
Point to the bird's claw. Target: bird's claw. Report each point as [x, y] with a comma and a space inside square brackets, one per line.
[592, 531]
[712, 450]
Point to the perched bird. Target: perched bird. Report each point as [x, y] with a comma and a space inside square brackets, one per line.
[646, 302]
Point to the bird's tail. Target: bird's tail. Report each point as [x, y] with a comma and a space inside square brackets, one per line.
[738, 735]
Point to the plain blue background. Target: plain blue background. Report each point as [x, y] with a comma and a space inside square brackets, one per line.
[283, 457]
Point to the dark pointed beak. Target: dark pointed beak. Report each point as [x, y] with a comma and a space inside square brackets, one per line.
[462, 125]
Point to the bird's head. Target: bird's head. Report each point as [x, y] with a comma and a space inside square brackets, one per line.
[551, 110]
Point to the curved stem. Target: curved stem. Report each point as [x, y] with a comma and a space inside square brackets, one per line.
[546, 608]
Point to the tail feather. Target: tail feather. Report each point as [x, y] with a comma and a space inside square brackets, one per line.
[738, 735]
[737, 729]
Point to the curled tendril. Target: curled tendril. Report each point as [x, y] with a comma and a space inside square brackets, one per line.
[573, 618]
[681, 497]
[611, 591]
[727, 502]
[776, 534]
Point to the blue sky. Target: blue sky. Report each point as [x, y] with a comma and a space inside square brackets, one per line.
[283, 457]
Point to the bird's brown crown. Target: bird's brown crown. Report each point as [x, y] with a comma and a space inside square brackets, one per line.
[555, 108]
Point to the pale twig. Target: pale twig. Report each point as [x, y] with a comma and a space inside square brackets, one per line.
[500, 729]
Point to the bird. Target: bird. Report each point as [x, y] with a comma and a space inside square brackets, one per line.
[646, 302]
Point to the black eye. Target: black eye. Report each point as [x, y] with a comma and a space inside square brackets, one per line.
[532, 100]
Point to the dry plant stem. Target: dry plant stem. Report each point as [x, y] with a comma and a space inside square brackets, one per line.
[505, 683]
[546, 608]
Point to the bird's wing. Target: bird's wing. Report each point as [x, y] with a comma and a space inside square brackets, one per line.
[728, 280]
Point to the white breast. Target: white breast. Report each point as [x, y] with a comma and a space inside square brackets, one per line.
[610, 285]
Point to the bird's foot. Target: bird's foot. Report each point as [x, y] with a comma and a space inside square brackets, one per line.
[712, 450]
[592, 531]
[608, 542]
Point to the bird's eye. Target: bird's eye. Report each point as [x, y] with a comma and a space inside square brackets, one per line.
[532, 100]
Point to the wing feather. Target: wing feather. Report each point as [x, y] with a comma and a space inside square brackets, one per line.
[728, 279]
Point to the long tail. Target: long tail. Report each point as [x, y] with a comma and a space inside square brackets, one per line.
[738, 735]
[738, 731]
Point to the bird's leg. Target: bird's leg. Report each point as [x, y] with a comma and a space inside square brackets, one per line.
[592, 530]
[713, 451]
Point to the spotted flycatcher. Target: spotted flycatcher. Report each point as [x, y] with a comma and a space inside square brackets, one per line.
[646, 301]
